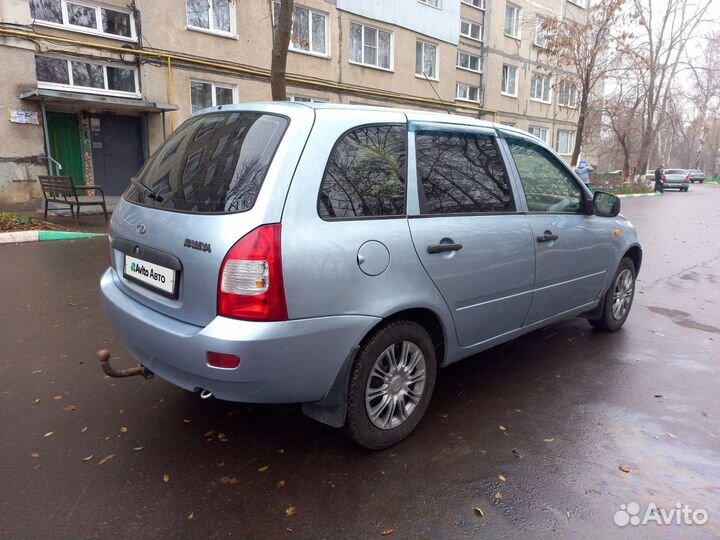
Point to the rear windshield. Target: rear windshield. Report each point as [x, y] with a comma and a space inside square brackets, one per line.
[676, 171]
[214, 163]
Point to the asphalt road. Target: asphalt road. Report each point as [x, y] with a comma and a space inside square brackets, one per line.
[85, 457]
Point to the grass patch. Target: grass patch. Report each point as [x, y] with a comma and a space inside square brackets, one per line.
[624, 189]
[10, 222]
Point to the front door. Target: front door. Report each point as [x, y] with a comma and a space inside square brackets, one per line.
[64, 135]
[572, 247]
[117, 150]
[475, 247]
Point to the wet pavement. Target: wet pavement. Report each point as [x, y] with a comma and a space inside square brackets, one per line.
[84, 456]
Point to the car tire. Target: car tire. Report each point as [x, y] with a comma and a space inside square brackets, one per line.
[368, 390]
[612, 319]
[701, 181]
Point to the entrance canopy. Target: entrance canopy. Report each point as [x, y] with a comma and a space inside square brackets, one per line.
[101, 103]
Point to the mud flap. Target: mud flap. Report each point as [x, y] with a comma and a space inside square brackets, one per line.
[332, 409]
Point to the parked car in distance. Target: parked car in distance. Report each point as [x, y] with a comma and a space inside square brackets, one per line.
[337, 256]
[676, 179]
[696, 175]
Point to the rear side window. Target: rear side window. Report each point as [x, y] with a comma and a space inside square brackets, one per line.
[365, 174]
[676, 171]
[214, 163]
[461, 172]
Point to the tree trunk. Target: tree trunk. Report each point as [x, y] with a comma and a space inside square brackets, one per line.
[282, 28]
[581, 125]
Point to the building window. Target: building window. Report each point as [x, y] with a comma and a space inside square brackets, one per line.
[471, 30]
[216, 16]
[468, 61]
[86, 76]
[568, 94]
[205, 94]
[539, 132]
[565, 142]
[426, 60]
[540, 88]
[509, 86]
[512, 21]
[305, 99]
[117, 23]
[480, 4]
[309, 30]
[579, 3]
[539, 37]
[433, 3]
[370, 46]
[467, 92]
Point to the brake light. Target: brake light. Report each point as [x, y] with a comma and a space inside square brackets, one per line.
[664, 177]
[250, 285]
[223, 361]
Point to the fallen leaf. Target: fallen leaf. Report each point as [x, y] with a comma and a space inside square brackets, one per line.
[83, 430]
[498, 496]
[289, 511]
[516, 453]
[671, 435]
[209, 433]
[443, 415]
[69, 408]
[138, 448]
[57, 397]
[187, 420]
[549, 439]
[121, 411]
[34, 455]
[191, 515]
[123, 429]
[503, 428]
[221, 464]
[568, 515]
[263, 468]
[37, 401]
[104, 460]
[624, 468]
[88, 458]
[38, 371]
[281, 451]
[48, 434]
[479, 511]
[659, 395]
[228, 480]
[517, 410]
[502, 478]
[166, 478]
[281, 483]
[388, 532]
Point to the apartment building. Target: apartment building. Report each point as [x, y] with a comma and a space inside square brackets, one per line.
[92, 88]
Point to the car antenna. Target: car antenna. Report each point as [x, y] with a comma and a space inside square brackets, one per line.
[438, 95]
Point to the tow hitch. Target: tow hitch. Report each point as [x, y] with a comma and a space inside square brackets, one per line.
[104, 356]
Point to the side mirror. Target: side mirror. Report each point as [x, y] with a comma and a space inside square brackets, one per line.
[605, 204]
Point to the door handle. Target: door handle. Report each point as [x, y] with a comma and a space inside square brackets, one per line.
[547, 236]
[441, 248]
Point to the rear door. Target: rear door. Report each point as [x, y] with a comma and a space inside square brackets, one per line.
[477, 249]
[572, 248]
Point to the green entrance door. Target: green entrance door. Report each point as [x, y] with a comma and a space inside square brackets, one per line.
[64, 133]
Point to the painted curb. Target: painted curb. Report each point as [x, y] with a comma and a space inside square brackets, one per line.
[42, 236]
[630, 195]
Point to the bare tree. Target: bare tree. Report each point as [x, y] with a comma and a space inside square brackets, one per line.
[705, 96]
[586, 47]
[622, 114]
[282, 29]
[658, 50]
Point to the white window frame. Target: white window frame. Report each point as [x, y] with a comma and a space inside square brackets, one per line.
[305, 99]
[65, 25]
[233, 16]
[437, 60]
[480, 4]
[469, 54]
[545, 80]
[578, 3]
[502, 81]
[86, 89]
[432, 3]
[377, 40]
[534, 130]
[311, 11]
[572, 91]
[213, 86]
[571, 142]
[539, 20]
[467, 87]
[470, 25]
[517, 25]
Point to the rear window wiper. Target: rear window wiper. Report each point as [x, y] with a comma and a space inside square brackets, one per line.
[150, 193]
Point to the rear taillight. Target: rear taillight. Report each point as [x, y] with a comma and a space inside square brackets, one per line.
[251, 281]
[664, 177]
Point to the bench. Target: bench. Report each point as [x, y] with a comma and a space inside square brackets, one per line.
[60, 189]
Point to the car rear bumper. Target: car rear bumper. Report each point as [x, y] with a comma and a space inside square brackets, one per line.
[676, 185]
[280, 362]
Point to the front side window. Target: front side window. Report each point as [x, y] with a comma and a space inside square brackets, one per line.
[365, 174]
[471, 30]
[205, 94]
[469, 61]
[568, 94]
[565, 142]
[512, 21]
[212, 15]
[214, 163]
[548, 186]
[370, 46]
[540, 88]
[461, 172]
[309, 30]
[84, 17]
[426, 59]
[467, 92]
[83, 76]
[509, 81]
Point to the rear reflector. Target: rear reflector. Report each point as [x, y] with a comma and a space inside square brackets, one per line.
[224, 361]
